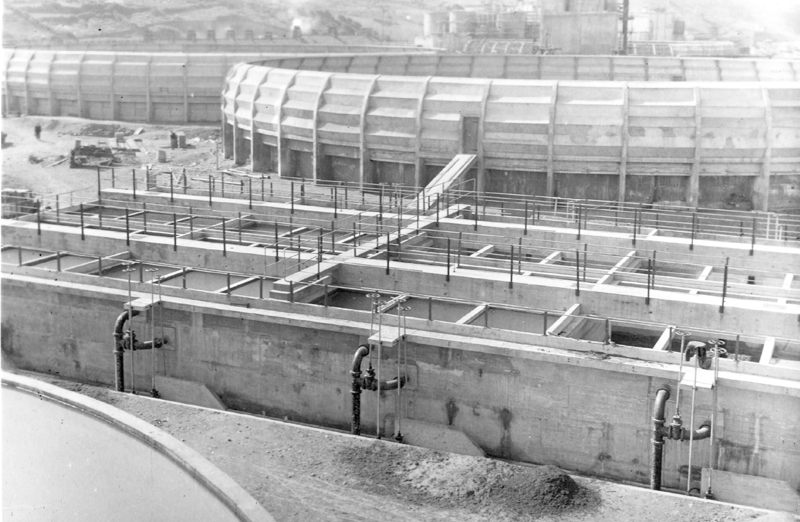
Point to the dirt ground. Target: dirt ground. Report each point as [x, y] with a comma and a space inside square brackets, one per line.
[58, 138]
[300, 473]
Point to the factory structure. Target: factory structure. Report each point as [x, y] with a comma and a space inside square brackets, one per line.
[584, 27]
[585, 260]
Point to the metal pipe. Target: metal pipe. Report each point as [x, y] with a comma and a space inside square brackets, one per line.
[691, 423]
[119, 364]
[657, 449]
[355, 390]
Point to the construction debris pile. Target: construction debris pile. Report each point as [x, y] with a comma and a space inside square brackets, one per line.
[91, 156]
[103, 130]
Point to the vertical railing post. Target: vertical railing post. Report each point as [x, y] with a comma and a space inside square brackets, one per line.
[437, 210]
[694, 221]
[580, 221]
[649, 272]
[335, 202]
[83, 236]
[447, 278]
[113, 179]
[526, 218]
[511, 269]
[174, 232]
[276, 243]
[577, 272]
[209, 190]
[607, 336]
[544, 324]
[133, 176]
[291, 197]
[475, 212]
[58, 261]
[224, 240]
[635, 217]
[127, 227]
[753, 238]
[39, 220]
[724, 286]
[58, 210]
[250, 193]
[185, 180]
[430, 308]
[388, 246]
[171, 188]
[291, 291]
[99, 193]
[222, 184]
[653, 276]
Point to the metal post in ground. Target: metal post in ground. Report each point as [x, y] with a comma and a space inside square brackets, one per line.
[291, 197]
[694, 221]
[250, 193]
[133, 176]
[649, 272]
[83, 236]
[335, 202]
[99, 193]
[171, 188]
[577, 272]
[127, 227]
[174, 232]
[475, 212]
[437, 210]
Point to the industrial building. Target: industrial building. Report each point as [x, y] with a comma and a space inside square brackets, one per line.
[541, 253]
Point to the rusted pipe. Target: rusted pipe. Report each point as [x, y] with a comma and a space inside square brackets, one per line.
[657, 452]
[673, 432]
[126, 340]
[369, 382]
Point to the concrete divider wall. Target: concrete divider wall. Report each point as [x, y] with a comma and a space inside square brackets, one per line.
[519, 402]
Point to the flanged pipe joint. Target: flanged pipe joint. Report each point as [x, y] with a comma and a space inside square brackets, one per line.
[126, 340]
[367, 382]
[675, 431]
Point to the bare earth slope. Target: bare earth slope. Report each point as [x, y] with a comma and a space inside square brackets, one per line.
[299, 473]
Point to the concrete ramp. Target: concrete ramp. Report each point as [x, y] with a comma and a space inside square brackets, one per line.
[750, 490]
[187, 392]
[435, 437]
[450, 175]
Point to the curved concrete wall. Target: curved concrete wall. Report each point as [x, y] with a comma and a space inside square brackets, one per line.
[68, 456]
[386, 121]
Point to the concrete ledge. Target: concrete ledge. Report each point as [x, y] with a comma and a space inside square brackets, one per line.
[188, 392]
[750, 490]
[436, 437]
[244, 506]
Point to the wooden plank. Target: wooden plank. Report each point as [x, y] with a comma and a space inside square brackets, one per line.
[564, 319]
[488, 249]
[473, 314]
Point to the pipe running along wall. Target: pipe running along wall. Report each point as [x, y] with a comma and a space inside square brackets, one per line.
[367, 383]
[126, 340]
[675, 431]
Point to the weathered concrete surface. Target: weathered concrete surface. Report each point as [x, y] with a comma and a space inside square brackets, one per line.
[187, 392]
[436, 436]
[515, 401]
[751, 491]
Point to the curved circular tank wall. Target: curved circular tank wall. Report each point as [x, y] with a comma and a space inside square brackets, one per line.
[63, 460]
[695, 131]
[699, 143]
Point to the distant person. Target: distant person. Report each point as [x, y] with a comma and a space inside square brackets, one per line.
[38, 131]
[173, 140]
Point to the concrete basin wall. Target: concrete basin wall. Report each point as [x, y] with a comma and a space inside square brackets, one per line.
[583, 411]
[67, 456]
